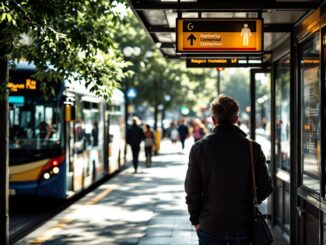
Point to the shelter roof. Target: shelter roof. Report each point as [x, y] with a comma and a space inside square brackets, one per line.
[279, 17]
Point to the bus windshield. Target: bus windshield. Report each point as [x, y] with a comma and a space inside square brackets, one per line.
[33, 122]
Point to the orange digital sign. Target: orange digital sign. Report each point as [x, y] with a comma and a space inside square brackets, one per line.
[29, 84]
[213, 62]
[219, 35]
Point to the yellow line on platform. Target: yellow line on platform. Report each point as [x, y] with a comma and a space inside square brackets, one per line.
[51, 232]
[98, 197]
[47, 235]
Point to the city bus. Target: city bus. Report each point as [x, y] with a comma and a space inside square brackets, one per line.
[62, 142]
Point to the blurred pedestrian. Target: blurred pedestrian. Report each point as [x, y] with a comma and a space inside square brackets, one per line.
[135, 135]
[149, 142]
[219, 183]
[183, 131]
[174, 134]
[46, 130]
[198, 130]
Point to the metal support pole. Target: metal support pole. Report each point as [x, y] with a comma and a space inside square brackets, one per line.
[4, 152]
[273, 167]
[218, 82]
[107, 137]
[252, 104]
[294, 140]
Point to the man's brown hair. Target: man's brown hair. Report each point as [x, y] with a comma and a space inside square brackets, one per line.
[225, 109]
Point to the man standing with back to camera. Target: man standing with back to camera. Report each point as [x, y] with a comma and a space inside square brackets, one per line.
[219, 182]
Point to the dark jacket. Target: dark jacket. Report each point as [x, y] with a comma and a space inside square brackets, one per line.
[135, 135]
[218, 181]
[183, 131]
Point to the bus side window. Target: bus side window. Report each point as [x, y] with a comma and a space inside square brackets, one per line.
[95, 133]
[46, 131]
[15, 133]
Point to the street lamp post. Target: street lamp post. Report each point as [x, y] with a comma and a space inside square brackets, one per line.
[167, 99]
[218, 82]
[129, 52]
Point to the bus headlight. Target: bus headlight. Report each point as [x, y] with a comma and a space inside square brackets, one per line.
[46, 176]
[56, 170]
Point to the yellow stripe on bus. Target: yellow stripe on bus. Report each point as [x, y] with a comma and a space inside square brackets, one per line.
[27, 166]
[26, 172]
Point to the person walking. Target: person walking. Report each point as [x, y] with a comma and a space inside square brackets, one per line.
[183, 132]
[218, 182]
[198, 130]
[174, 134]
[149, 142]
[135, 135]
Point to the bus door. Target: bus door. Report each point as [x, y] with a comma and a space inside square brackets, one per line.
[94, 136]
[69, 129]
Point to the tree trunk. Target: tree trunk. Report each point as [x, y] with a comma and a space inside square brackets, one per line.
[155, 106]
[162, 120]
[155, 115]
[126, 124]
[4, 152]
[218, 83]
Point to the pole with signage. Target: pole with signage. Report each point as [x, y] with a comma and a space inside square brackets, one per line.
[131, 94]
[218, 82]
[219, 35]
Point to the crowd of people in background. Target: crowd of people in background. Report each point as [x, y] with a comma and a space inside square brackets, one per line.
[182, 129]
[178, 132]
[149, 143]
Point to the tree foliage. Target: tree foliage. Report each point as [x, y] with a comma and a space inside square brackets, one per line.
[160, 81]
[235, 83]
[65, 39]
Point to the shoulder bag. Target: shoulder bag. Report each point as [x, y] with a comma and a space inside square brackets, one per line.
[260, 233]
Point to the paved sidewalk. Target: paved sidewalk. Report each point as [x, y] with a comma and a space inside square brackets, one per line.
[143, 208]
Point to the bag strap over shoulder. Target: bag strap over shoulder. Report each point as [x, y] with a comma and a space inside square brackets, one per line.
[252, 161]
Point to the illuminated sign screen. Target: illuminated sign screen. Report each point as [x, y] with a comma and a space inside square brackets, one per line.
[214, 62]
[219, 35]
[221, 62]
[19, 100]
[26, 85]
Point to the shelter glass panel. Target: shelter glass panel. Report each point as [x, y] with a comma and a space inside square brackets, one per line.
[287, 211]
[324, 228]
[310, 114]
[263, 112]
[279, 202]
[282, 114]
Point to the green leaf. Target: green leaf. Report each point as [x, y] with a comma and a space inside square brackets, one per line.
[3, 17]
[9, 17]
